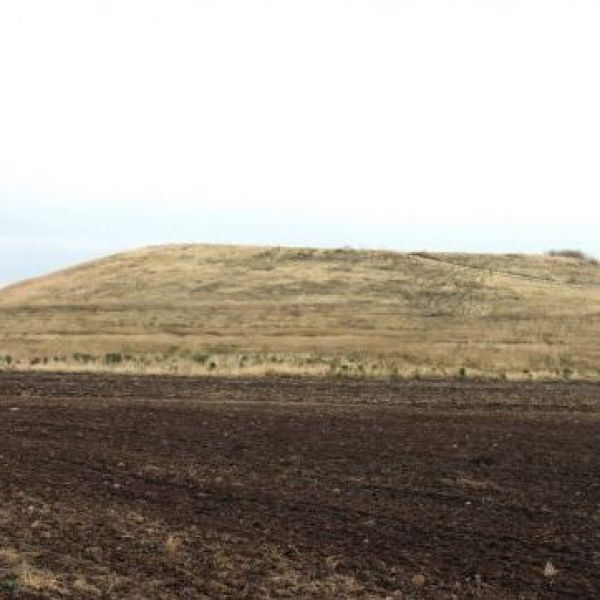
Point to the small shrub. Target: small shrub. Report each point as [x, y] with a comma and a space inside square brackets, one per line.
[10, 584]
[567, 373]
[113, 358]
[82, 358]
[574, 254]
[313, 360]
[200, 358]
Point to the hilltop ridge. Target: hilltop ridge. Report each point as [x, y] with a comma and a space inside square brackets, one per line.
[233, 308]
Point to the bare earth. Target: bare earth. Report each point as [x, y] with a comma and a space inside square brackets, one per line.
[157, 487]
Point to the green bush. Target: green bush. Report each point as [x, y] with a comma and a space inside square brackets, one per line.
[113, 358]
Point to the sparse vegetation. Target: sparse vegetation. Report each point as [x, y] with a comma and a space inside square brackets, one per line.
[200, 357]
[172, 546]
[17, 574]
[574, 254]
[9, 583]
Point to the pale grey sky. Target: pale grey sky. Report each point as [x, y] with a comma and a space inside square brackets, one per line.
[425, 124]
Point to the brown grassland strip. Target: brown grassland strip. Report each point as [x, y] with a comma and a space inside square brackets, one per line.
[198, 309]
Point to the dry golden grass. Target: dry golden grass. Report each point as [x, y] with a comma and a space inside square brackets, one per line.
[172, 546]
[26, 576]
[9, 557]
[198, 309]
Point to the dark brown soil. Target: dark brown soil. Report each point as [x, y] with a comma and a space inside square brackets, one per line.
[155, 487]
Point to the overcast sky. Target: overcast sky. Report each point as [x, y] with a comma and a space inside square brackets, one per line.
[425, 124]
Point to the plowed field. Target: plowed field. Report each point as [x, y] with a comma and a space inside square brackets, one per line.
[156, 487]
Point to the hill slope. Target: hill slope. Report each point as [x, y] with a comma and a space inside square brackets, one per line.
[231, 308]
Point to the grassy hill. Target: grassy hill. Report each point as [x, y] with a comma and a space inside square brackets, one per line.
[233, 309]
